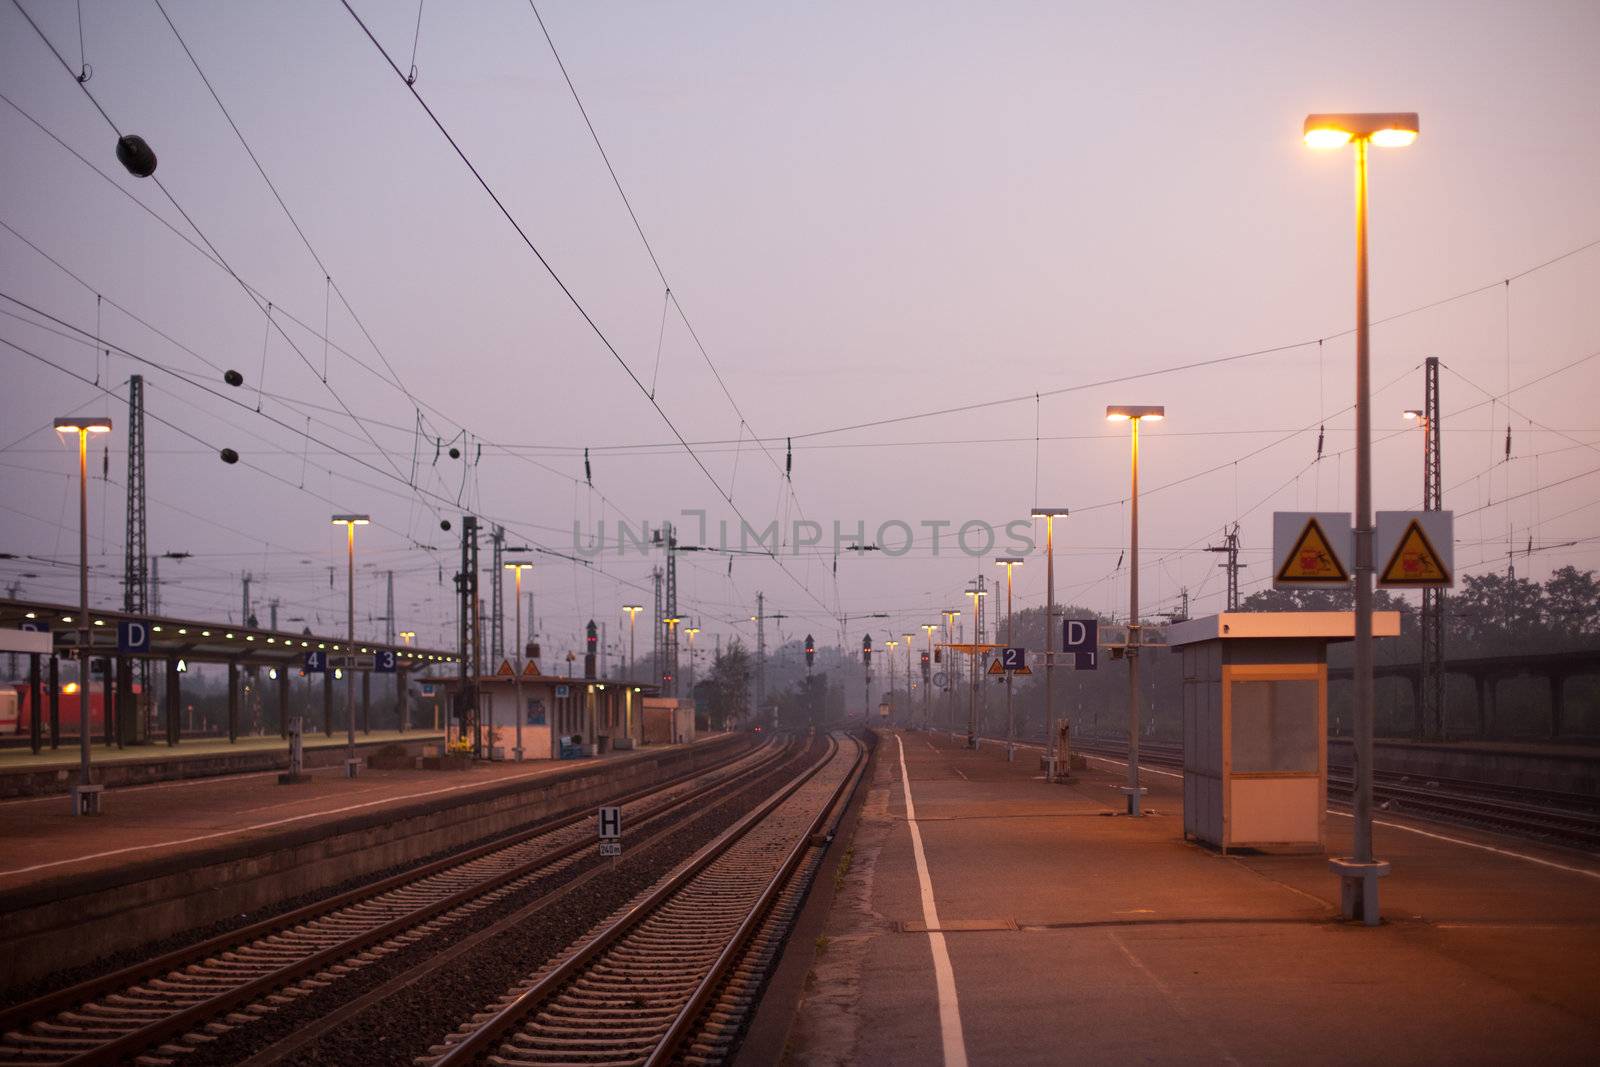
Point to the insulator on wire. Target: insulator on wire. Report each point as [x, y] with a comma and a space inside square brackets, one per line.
[588, 475]
[1320, 431]
[229, 455]
[233, 378]
[455, 453]
[788, 460]
[1508, 440]
[135, 154]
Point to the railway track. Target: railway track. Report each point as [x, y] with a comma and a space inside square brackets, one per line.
[167, 1006]
[1568, 819]
[676, 970]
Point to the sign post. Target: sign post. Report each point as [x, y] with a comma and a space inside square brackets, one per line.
[296, 772]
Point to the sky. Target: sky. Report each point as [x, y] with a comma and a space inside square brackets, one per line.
[867, 215]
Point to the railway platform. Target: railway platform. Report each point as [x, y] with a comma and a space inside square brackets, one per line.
[986, 916]
[169, 858]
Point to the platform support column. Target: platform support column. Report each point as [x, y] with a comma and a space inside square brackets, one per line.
[55, 701]
[127, 705]
[1558, 704]
[366, 702]
[402, 700]
[233, 702]
[35, 705]
[174, 702]
[283, 702]
[108, 703]
[327, 703]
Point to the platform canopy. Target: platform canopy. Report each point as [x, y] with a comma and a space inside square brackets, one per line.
[200, 641]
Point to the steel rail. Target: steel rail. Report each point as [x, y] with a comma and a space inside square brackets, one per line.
[683, 1025]
[188, 1018]
[486, 1036]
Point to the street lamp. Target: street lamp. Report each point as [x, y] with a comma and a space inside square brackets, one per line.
[352, 766]
[517, 708]
[950, 617]
[927, 678]
[1049, 515]
[1009, 563]
[672, 622]
[85, 795]
[1359, 874]
[1133, 414]
[633, 615]
[972, 715]
[691, 631]
[909, 639]
[408, 636]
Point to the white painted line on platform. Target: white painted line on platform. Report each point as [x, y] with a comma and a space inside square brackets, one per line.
[944, 977]
[1416, 830]
[265, 825]
[1142, 770]
[1475, 844]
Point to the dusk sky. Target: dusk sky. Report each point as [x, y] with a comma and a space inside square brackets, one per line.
[866, 213]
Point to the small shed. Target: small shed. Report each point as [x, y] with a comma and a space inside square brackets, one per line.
[1255, 724]
[668, 720]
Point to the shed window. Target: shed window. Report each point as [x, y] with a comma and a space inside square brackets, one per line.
[1274, 726]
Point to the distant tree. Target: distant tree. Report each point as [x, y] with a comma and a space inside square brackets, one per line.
[1341, 599]
[727, 691]
[1495, 608]
[1572, 601]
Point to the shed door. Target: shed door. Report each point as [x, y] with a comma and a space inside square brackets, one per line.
[1274, 730]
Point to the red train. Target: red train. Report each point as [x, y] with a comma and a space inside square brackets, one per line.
[16, 711]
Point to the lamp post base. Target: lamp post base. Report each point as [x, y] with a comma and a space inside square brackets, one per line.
[1358, 888]
[1133, 794]
[86, 799]
[517, 753]
[352, 768]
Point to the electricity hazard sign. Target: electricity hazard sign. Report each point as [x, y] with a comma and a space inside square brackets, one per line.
[1415, 549]
[995, 667]
[1309, 549]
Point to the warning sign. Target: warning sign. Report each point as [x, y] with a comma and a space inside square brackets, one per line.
[1310, 549]
[504, 670]
[995, 667]
[1416, 549]
[530, 669]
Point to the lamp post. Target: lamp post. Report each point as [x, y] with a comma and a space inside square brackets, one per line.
[672, 622]
[352, 766]
[408, 636]
[909, 640]
[633, 615]
[1049, 516]
[1009, 563]
[972, 714]
[1421, 417]
[1360, 873]
[950, 617]
[889, 665]
[1133, 414]
[85, 795]
[927, 677]
[517, 709]
[692, 631]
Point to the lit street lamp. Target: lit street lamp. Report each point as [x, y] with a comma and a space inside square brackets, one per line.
[1133, 415]
[633, 615]
[352, 766]
[927, 678]
[1049, 516]
[85, 795]
[517, 708]
[1009, 563]
[972, 716]
[1360, 873]
[692, 631]
[950, 617]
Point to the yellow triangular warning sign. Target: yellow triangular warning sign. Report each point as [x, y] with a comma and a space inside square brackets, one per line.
[1024, 669]
[994, 666]
[530, 669]
[1312, 559]
[1414, 561]
[504, 670]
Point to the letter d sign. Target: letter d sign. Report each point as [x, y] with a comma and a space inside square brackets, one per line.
[133, 635]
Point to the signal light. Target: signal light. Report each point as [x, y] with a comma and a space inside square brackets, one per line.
[811, 650]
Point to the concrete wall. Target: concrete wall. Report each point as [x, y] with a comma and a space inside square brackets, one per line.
[1566, 769]
[68, 922]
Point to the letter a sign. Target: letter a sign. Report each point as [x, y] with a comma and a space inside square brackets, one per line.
[1309, 549]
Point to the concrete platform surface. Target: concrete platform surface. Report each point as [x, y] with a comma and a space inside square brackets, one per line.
[14, 760]
[1064, 931]
[42, 841]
